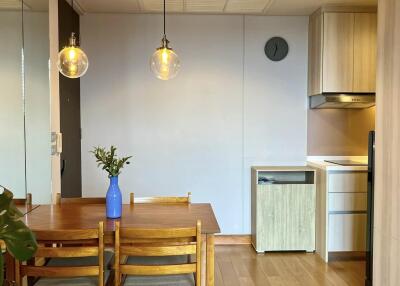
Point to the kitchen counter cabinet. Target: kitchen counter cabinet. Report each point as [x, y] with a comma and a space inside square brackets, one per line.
[341, 210]
[283, 208]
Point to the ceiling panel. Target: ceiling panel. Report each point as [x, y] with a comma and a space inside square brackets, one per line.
[36, 5]
[157, 5]
[115, 6]
[10, 5]
[306, 7]
[206, 6]
[246, 6]
[263, 7]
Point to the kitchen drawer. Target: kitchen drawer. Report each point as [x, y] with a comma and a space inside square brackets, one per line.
[347, 182]
[347, 232]
[347, 202]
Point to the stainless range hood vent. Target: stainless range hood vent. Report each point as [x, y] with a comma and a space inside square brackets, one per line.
[342, 100]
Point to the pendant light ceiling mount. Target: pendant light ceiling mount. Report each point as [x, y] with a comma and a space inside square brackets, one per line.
[164, 43]
[165, 63]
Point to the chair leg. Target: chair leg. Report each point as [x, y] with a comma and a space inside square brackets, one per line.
[117, 278]
[18, 279]
[123, 278]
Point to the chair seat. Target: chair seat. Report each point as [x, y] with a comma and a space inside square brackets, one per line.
[79, 281]
[170, 280]
[165, 280]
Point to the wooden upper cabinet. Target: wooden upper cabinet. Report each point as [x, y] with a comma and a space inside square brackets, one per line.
[315, 54]
[338, 45]
[342, 51]
[365, 30]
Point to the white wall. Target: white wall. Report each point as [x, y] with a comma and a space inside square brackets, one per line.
[275, 98]
[229, 107]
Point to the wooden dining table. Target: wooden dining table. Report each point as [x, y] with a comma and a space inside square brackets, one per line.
[86, 216]
[26, 208]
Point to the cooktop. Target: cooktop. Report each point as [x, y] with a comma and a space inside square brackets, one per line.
[346, 163]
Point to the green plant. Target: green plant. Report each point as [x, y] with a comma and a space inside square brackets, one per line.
[19, 239]
[109, 160]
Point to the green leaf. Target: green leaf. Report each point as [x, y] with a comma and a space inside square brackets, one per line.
[19, 239]
[107, 160]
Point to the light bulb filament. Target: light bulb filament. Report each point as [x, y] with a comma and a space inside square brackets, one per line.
[72, 54]
[165, 56]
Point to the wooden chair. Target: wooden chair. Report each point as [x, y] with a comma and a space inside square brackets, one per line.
[161, 200]
[46, 238]
[138, 242]
[60, 200]
[26, 201]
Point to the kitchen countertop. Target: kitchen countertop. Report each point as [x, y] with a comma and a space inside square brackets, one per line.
[281, 168]
[318, 162]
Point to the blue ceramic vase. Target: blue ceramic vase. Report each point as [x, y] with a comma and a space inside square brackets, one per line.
[114, 199]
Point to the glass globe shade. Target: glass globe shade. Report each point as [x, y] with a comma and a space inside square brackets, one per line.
[72, 61]
[165, 63]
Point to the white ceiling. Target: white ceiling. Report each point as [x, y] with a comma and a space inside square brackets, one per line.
[35, 5]
[38, 5]
[263, 7]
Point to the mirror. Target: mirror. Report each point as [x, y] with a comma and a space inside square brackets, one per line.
[25, 148]
[12, 141]
[37, 99]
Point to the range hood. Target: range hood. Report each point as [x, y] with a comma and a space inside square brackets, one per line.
[342, 100]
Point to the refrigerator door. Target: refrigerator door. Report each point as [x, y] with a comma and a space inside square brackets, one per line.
[370, 209]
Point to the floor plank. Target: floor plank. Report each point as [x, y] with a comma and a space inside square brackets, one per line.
[240, 265]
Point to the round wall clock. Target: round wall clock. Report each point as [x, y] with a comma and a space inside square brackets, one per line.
[276, 49]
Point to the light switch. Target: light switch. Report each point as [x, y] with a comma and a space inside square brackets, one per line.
[56, 143]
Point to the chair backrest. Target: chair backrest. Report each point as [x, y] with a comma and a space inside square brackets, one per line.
[161, 200]
[26, 201]
[50, 246]
[60, 200]
[142, 242]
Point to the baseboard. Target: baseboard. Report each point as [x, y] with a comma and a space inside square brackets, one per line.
[346, 256]
[233, 239]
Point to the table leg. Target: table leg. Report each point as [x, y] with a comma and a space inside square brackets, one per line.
[210, 260]
[203, 260]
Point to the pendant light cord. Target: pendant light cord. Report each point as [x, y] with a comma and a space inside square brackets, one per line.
[72, 16]
[164, 18]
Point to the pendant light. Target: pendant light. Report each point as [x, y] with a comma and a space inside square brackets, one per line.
[165, 63]
[72, 60]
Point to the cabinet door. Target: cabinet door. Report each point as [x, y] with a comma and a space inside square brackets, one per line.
[347, 232]
[286, 217]
[365, 26]
[315, 54]
[338, 52]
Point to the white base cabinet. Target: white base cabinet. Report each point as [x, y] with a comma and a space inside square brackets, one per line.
[341, 212]
[347, 232]
[283, 210]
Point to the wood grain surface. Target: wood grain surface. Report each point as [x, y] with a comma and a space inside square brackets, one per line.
[78, 216]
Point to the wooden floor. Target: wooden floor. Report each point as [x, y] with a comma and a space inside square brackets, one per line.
[240, 265]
